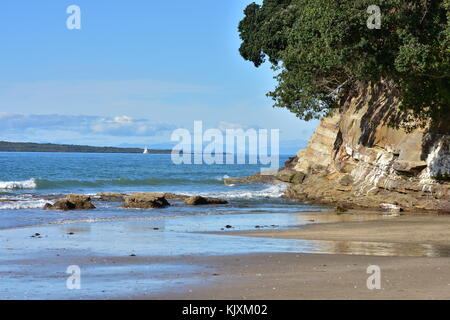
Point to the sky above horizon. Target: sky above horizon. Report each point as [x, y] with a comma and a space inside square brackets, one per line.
[135, 71]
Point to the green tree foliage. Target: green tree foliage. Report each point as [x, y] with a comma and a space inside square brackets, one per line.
[321, 48]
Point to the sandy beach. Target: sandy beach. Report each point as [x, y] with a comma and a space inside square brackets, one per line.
[317, 277]
[425, 229]
[327, 259]
[335, 276]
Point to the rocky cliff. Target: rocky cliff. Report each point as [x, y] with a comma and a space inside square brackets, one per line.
[356, 159]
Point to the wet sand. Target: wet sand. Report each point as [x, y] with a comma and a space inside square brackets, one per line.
[336, 276]
[170, 260]
[426, 229]
[317, 277]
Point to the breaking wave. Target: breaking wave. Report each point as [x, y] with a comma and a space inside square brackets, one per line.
[23, 204]
[273, 191]
[15, 185]
[42, 184]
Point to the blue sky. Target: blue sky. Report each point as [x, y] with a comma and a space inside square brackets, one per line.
[136, 70]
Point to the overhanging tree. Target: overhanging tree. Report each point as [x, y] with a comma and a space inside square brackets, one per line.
[321, 48]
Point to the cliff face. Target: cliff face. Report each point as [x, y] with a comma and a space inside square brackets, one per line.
[354, 158]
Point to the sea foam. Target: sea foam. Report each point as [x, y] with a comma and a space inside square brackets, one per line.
[273, 191]
[11, 185]
[24, 204]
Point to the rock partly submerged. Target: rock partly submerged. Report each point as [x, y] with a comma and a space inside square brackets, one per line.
[256, 178]
[110, 196]
[117, 197]
[144, 200]
[199, 200]
[71, 202]
[138, 200]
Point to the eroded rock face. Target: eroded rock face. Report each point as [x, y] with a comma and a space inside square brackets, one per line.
[290, 176]
[71, 202]
[144, 200]
[199, 200]
[354, 156]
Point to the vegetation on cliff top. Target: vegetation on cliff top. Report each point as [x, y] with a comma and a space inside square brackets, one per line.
[321, 48]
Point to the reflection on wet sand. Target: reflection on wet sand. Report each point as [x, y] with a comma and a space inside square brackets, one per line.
[374, 248]
[346, 217]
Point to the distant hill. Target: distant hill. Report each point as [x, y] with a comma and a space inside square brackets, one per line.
[49, 147]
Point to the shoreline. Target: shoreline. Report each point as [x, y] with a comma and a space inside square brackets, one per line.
[434, 229]
[159, 260]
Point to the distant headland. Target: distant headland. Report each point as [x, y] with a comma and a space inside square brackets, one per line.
[49, 147]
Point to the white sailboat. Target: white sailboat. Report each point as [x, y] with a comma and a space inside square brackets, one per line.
[145, 150]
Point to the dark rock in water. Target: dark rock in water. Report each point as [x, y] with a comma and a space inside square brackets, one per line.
[72, 202]
[81, 202]
[63, 204]
[144, 200]
[48, 206]
[198, 200]
[110, 196]
[113, 196]
[228, 226]
[175, 197]
[256, 178]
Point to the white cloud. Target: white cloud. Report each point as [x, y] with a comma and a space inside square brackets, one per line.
[30, 125]
[125, 125]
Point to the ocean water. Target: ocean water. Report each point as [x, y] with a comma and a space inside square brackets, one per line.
[30, 180]
[106, 241]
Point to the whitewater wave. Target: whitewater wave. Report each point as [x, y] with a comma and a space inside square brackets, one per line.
[14, 185]
[23, 204]
[43, 184]
[273, 191]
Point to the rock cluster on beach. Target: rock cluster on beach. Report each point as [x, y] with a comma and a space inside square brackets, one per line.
[71, 202]
[144, 200]
[139, 200]
[199, 200]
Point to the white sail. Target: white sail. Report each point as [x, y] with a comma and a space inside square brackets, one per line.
[145, 150]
